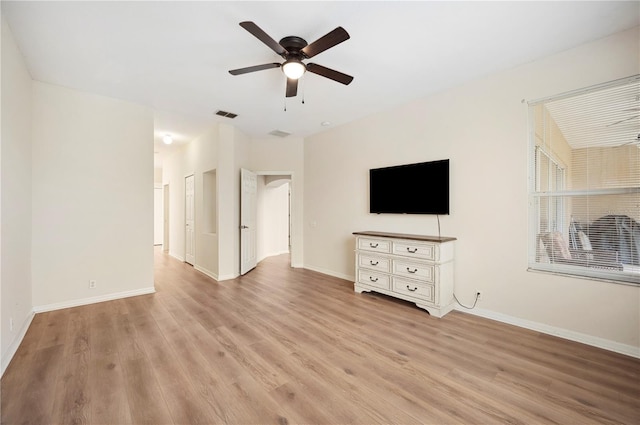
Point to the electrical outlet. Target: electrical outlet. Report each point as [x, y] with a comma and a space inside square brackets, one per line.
[478, 294]
[11, 324]
[92, 284]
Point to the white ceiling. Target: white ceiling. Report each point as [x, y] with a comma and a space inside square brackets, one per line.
[174, 56]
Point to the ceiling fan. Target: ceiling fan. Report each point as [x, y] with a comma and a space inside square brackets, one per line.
[636, 141]
[628, 118]
[294, 50]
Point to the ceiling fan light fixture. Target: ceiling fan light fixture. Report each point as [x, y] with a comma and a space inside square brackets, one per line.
[293, 68]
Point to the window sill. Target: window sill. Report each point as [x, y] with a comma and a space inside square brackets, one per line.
[626, 277]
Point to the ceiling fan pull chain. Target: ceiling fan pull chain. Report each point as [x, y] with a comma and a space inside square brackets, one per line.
[303, 85]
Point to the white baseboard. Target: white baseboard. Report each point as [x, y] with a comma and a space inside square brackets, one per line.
[594, 341]
[209, 273]
[177, 257]
[93, 300]
[272, 254]
[329, 272]
[13, 348]
[227, 277]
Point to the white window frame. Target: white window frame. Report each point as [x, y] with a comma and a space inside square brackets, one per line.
[536, 193]
[557, 215]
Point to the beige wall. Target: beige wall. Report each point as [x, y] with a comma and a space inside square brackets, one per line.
[196, 157]
[482, 128]
[15, 197]
[157, 176]
[92, 196]
[224, 149]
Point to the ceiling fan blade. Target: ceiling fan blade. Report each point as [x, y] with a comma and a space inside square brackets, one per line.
[329, 73]
[325, 42]
[254, 68]
[633, 142]
[264, 37]
[624, 120]
[292, 87]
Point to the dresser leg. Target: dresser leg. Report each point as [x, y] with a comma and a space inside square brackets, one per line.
[436, 312]
[360, 289]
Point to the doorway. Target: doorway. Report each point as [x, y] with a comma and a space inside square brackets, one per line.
[267, 196]
[274, 215]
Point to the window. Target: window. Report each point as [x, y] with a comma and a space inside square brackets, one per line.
[549, 178]
[584, 182]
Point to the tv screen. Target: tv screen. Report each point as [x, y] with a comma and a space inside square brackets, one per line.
[421, 188]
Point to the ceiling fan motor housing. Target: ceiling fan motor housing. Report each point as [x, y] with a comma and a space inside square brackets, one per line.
[293, 45]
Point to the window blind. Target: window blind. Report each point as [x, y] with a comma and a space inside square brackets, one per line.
[584, 182]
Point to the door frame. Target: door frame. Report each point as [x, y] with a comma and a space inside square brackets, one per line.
[165, 217]
[158, 186]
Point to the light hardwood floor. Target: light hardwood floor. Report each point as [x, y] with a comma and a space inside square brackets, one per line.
[284, 345]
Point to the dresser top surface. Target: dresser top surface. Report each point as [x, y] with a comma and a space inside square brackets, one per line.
[426, 238]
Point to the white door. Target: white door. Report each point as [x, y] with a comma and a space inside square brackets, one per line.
[189, 220]
[248, 220]
[158, 224]
[165, 242]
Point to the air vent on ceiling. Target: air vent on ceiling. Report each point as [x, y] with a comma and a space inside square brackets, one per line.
[279, 133]
[226, 114]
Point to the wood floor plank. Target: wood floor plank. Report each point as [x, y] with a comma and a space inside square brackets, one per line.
[205, 365]
[298, 407]
[108, 398]
[34, 404]
[56, 328]
[72, 405]
[285, 346]
[31, 339]
[143, 392]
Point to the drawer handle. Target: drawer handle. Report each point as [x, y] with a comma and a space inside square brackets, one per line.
[372, 263]
[374, 280]
[411, 271]
[412, 290]
[373, 245]
[412, 252]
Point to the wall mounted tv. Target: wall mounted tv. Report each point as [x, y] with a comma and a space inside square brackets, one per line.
[421, 188]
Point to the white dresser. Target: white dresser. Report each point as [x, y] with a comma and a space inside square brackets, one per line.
[415, 268]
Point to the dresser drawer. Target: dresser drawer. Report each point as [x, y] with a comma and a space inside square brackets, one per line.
[422, 291]
[377, 245]
[423, 272]
[374, 263]
[377, 280]
[425, 251]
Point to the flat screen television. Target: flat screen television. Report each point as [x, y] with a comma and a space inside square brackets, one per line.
[421, 188]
